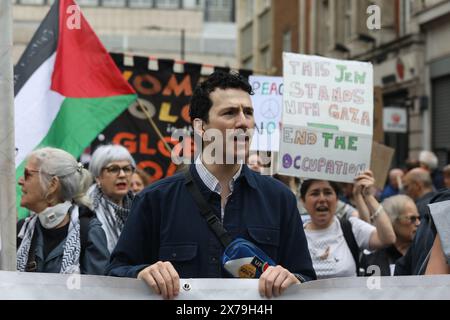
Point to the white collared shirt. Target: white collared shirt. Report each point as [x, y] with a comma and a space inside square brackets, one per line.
[213, 184]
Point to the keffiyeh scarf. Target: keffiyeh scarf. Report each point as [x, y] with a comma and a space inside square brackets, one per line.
[72, 247]
[112, 216]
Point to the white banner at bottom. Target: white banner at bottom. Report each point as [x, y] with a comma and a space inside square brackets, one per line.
[43, 286]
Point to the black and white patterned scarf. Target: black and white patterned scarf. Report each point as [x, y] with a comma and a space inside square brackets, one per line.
[111, 216]
[72, 247]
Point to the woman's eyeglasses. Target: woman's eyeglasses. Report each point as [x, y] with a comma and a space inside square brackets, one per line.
[410, 219]
[115, 169]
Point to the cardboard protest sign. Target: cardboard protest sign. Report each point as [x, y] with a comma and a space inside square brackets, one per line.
[267, 104]
[327, 119]
[381, 162]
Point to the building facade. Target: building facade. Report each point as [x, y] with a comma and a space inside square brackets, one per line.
[198, 31]
[407, 45]
[433, 20]
[265, 29]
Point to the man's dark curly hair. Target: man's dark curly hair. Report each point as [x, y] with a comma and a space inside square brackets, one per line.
[201, 102]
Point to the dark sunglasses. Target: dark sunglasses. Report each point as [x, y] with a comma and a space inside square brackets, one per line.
[27, 173]
[115, 169]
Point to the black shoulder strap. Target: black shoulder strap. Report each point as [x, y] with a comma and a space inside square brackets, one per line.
[207, 211]
[349, 237]
[85, 215]
[18, 228]
[31, 261]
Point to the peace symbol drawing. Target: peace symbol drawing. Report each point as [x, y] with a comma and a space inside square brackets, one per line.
[270, 109]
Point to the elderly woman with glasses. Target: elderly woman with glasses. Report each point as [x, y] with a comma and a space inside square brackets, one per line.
[405, 219]
[112, 167]
[62, 234]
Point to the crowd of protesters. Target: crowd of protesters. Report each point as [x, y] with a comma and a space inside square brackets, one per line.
[106, 221]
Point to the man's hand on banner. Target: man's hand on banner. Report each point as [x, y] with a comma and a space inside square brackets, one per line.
[275, 280]
[162, 278]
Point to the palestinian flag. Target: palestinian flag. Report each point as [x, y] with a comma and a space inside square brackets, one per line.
[67, 88]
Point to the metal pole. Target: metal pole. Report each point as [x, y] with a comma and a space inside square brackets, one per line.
[7, 166]
[183, 43]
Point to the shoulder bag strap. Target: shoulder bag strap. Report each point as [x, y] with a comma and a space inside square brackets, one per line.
[206, 210]
[31, 262]
[349, 237]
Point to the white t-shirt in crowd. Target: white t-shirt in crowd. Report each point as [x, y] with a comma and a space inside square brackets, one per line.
[329, 251]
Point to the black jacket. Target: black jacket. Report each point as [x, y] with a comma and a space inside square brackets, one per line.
[94, 253]
[416, 258]
[422, 203]
[165, 224]
[383, 258]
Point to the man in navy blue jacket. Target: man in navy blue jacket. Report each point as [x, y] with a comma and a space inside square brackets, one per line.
[166, 237]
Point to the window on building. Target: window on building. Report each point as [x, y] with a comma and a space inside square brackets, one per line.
[323, 26]
[265, 27]
[247, 41]
[420, 5]
[37, 2]
[191, 4]
[168, 4]
[140, 3]
[339, 21]
[328, 23]
[219, 10]
[389, 17]
[348, 28]
[218, 3]
[404, 18]
[287, 41]
[249, 9]
[361, 16]
[266, 58]
[263, 5]
[86, 3]
[441, 117]
[248, 64]
[125, 3]
[113, 3]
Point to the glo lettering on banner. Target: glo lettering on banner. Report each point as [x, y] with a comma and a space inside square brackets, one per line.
[267, 104]
[327, 118]
[166, 95]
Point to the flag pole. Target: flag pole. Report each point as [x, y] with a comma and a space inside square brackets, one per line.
[152, 123]
[8, 212]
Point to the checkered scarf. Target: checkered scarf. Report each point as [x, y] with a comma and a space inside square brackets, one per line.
[111, 216]
[72, 247]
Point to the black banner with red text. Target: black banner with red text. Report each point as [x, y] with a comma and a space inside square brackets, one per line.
[165, 93]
